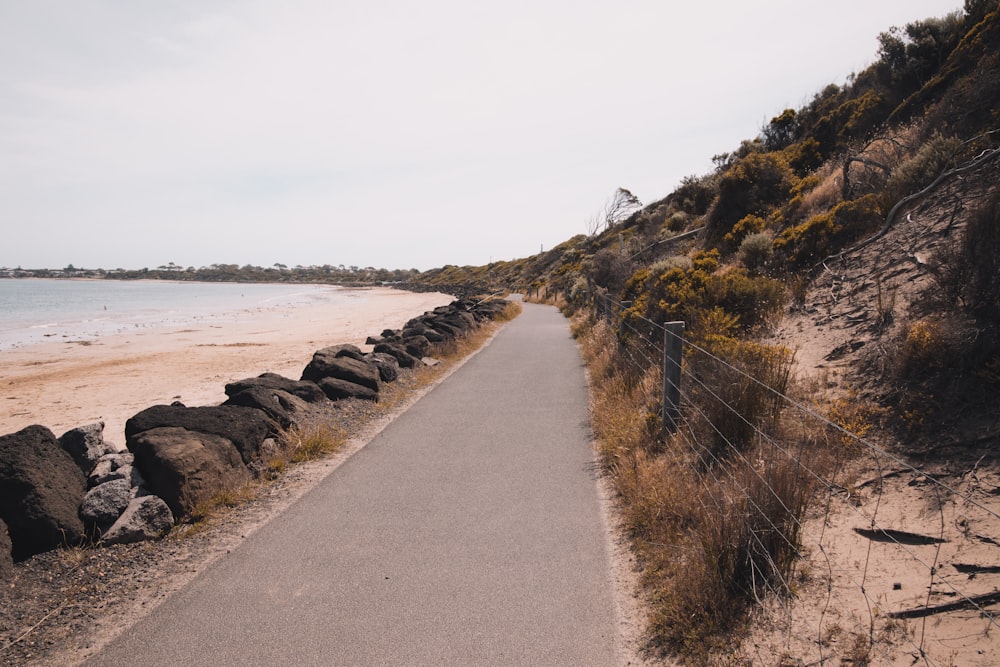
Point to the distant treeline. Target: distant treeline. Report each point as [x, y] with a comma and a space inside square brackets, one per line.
[327, 273]
[461, 284]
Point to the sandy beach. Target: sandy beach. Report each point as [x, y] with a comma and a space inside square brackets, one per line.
[67, 384]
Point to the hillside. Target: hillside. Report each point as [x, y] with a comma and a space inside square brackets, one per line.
[852, 250]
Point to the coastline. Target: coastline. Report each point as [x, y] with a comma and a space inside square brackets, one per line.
[65, 384]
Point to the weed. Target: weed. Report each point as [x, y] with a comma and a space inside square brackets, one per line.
[885, 304]
[275, 468]
[314, 442]
[73, 556]
[856, 418]
[225, 499]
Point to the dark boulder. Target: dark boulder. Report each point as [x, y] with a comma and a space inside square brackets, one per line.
[337, 390]
[245, 427]
[40, 492]
[462, 320]
[388, 367]
[491, 309]
[418, 346]
[307, 391]
[448, 330]
[185, 467]
[405, 359]
[344, 350]
[86, 445]
[6, 559]
[425, 331]
[284, 408]
[325, 365]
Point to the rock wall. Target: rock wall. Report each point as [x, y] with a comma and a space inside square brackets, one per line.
[77, 489]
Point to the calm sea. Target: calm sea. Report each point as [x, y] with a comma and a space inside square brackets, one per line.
[38, 310]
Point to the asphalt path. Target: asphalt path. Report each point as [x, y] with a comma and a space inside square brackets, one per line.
[468, 532]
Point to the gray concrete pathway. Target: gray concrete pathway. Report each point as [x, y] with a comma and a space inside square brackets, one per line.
[468, 532]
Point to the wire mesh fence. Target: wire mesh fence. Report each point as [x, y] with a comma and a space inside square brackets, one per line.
[847, 549]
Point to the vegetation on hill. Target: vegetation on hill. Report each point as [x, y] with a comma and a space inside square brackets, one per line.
[734, 251]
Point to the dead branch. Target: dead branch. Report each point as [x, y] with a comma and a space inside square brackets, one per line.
[975, 163]
[846, 187]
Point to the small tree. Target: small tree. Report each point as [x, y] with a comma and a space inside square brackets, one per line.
[617, 209]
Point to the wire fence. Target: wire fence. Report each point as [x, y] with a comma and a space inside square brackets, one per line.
[854, 552]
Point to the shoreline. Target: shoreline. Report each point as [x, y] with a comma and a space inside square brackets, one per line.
[65, 384]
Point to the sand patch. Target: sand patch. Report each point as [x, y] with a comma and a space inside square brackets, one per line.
[63, 386]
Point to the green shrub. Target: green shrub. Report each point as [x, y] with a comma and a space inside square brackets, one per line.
[738, 406]
[670, 291]
[694, 195]
[675, 262]
[917, 172]
[756, 251]
[804, 156]
[827, 233]
[981, 254]
[750, 224]
[753, 185]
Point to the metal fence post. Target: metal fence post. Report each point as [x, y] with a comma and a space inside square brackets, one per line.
[673, 349]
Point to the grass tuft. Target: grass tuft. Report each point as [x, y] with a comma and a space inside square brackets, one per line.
[313, 442]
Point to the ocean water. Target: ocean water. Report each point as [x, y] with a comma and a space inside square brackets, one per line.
[38, 310]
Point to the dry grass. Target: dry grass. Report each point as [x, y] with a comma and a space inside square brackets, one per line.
[714, 531]
[315, 441]
[213, 509]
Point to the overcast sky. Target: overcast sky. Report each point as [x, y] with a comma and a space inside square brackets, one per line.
[383, 133]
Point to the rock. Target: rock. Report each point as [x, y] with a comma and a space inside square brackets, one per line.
[344, 350]
[326, 365]
[464, 322]
[307, 391]
[405, 359]
[388, 367]
[418, 346]
[187, 467]
[492, 308]
[245, 427]
[284, 408]
[40, 492]
[6, 559]
[86, 445]
[425, 331]
[337, 390]
[104, 503]
[145, 518]
[430, 362]
[111, 466]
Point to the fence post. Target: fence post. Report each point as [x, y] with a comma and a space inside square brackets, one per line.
[673, 349]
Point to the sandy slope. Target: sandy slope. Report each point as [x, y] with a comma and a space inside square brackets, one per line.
[943, 494]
